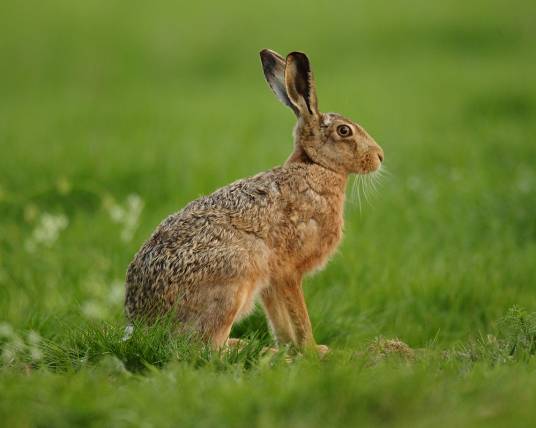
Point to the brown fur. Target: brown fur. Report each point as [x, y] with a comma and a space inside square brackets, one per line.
[258, 236]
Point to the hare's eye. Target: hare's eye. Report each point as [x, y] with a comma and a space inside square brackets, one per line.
[344, 130]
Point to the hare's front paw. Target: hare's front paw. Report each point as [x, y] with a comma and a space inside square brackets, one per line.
[322, 350]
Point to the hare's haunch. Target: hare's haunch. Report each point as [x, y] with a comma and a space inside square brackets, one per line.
[258, 236]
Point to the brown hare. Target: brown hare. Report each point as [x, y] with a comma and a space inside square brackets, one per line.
[259, 236]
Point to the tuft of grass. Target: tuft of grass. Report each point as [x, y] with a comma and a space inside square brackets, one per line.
[514, 340]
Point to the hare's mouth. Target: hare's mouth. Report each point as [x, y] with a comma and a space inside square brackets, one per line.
[370, 163]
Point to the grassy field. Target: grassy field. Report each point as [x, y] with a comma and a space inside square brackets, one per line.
[115, 114]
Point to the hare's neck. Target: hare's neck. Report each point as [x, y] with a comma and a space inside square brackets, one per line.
[326, 179]
[327, 182]
[298, 156]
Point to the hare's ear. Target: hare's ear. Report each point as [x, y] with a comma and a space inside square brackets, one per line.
[300, 84]
[273, 66]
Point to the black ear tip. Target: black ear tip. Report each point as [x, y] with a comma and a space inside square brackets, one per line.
[298, 55]
[300, 60]
[268, 61]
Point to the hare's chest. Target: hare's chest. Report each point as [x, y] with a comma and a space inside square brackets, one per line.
[316, 238]
[321, 242]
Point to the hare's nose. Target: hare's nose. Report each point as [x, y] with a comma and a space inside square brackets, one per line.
[380, 155]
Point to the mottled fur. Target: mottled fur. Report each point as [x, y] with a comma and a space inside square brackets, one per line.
[257, 236]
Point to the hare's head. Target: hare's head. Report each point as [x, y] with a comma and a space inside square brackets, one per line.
[327, 139]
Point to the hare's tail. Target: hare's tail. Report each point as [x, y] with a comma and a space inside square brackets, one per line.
[129, 329]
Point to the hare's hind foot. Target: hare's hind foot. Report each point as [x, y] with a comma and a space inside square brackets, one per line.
[270, 352]
[240, 344]
[322, 350]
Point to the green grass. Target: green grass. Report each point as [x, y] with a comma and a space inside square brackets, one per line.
[115, 114]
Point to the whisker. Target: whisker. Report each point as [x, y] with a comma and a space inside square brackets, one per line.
[356, 181]
[355, 193]
[366, 186]
[379, 178]
[365, 189]
[372, 188]
[352, 192]
[372, 181]
[384, 171]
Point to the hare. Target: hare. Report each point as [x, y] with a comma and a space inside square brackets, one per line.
[259, 236]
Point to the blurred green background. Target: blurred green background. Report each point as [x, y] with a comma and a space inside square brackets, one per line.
[115, 114]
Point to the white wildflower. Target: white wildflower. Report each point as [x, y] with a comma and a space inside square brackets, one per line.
[128, 215]
[47, 231]
[15, 349]
[6, 331]
[36, 354]
[17, 344]
[8, 355]
[12, 349]
[94, 309]
[33, 338]
[115, 297]
[134, 208]
[95, 286]
[102, 297]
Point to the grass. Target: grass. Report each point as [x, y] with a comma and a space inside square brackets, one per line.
[113, 115]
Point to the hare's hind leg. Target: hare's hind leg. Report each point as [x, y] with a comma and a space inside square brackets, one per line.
[221, 307]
